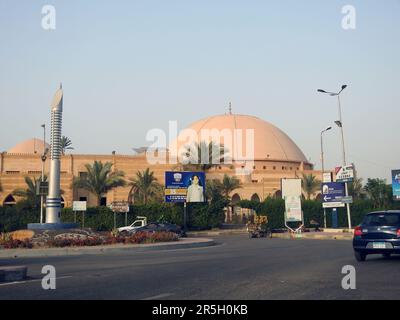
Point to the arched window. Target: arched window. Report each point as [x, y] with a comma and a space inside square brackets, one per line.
[9, 201]
[255, 197]
[235, 199]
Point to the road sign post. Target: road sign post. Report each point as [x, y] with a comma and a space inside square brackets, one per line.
[79, 206]
[119, 207]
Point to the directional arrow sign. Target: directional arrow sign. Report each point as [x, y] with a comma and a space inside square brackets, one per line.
[332, 193]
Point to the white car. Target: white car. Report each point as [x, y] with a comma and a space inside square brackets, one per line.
[140, 222]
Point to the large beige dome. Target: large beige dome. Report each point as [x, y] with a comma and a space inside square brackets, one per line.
[270, 143]
[29, 146]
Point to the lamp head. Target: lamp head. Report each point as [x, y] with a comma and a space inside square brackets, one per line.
[338, 123]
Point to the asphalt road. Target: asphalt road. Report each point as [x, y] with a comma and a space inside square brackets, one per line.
[237, 268]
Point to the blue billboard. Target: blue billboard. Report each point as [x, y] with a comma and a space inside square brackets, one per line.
[184, 186]
[333, 191]
[396, 184]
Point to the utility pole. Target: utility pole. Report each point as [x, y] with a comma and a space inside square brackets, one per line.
[322, 162]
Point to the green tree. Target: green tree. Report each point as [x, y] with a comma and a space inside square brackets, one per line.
[145, 187]
[356, 188]
[29, 194]
[310, 184]
[202, 156]
[379, 192]
[66, 144]
[100, 179]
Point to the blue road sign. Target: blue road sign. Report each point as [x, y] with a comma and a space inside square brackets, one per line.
[333, 191]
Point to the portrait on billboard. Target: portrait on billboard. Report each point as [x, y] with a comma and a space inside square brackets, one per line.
[195, 191]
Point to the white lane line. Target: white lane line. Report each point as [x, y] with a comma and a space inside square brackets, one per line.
[28, 281]
[160, 296]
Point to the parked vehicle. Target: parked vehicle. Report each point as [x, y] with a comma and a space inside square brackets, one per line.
[379, 233]
[161, 226]
[138, 223]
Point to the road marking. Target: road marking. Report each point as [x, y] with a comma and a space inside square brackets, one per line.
[160, 296]
[28, 281]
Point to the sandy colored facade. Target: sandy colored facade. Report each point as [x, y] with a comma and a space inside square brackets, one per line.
[264, 181]
[275, 156]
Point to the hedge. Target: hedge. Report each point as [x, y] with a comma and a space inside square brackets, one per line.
[199, 215]
[312, 210]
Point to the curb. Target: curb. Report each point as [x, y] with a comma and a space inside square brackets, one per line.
[191, 234]
[54, 252]
[313, 237]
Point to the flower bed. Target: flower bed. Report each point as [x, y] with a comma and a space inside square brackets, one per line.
[77, 240]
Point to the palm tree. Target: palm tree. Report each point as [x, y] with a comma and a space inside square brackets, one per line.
[310, 184]
[202, 156]
[29, 194]
[228, 185]
[100, 179]
[213, 189]
[144, 186]
[66, 144]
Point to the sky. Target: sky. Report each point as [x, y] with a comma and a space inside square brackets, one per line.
[131, 66]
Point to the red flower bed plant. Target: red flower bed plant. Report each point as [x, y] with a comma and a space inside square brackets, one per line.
[14, 244]
[141, 237]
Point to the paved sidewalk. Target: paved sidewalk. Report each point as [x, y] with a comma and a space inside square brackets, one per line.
[51, 252]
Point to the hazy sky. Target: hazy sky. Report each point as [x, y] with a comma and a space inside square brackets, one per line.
[130, 66]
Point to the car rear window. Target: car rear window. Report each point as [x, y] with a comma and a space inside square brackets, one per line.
[382, 219]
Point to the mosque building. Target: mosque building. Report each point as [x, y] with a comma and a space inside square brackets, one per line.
[275, 156]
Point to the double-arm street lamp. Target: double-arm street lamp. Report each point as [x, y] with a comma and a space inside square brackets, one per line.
[339, 123]
[322, 162]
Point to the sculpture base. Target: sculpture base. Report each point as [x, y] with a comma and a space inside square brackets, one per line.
[52, 226]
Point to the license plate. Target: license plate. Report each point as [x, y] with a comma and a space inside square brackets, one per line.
[379, 245]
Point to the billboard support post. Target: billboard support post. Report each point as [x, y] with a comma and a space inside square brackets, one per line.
[184, 216]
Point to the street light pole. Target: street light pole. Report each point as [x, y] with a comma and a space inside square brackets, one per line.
[322, 162]
[43, 158]
[339, 123]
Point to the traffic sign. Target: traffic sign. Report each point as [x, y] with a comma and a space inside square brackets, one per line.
[345, 173]
[120, 206]
[79, 206]
[327, 177]
[332, 204]
[348, 199]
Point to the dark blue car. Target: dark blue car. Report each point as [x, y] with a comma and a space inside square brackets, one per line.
[379, 233]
